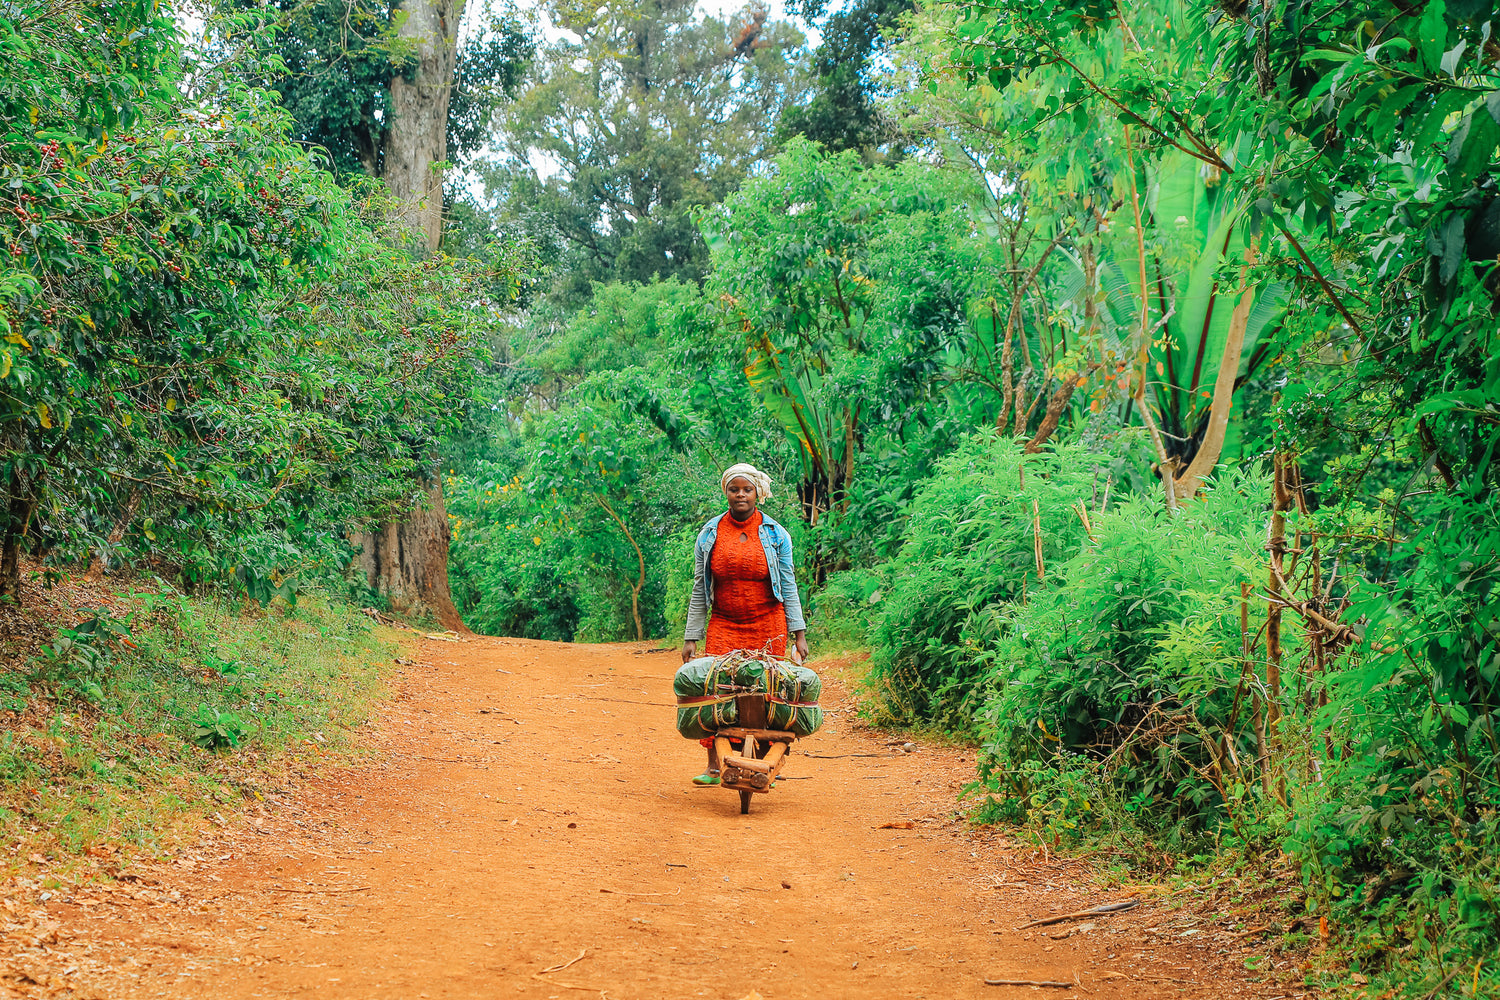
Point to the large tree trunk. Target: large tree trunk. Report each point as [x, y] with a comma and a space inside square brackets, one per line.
[406, 560]
[418, 136]
[16, 515]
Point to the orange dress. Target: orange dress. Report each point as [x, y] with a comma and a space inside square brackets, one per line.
[746, 613]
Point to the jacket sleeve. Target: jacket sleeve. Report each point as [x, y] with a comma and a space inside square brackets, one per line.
[697, 613]
[789, 598]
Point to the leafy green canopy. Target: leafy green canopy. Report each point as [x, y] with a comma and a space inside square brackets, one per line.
[1359, 143]
[1343, 162]
[640, 115]
[557, 518]
[844, 112]
[335, 60]
[214, 357]
[986, 530]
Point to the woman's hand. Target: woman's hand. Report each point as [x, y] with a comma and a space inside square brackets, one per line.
[689, 649]
[801, 647]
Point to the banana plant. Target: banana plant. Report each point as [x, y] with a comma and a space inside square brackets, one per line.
[1211, 324]
[1166, 309]
[825, 432]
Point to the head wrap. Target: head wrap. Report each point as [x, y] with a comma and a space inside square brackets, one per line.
[744, 470]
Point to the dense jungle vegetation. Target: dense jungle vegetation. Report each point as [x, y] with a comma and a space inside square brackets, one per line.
[1127, 371]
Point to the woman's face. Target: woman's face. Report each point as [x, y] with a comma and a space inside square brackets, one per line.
[741, 494]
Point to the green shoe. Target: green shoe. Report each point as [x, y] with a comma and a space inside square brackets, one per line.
[707, 778]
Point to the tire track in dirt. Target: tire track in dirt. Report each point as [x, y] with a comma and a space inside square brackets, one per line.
[527, 802]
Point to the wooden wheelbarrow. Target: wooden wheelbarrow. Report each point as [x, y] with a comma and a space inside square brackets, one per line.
[754, 769]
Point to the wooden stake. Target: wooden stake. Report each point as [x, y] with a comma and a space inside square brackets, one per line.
[1281, 502]
[1036, 538]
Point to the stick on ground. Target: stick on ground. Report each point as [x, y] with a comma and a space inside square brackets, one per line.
[1120, 907]
[559, 968]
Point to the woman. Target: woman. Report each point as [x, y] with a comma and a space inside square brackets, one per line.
[742, 570]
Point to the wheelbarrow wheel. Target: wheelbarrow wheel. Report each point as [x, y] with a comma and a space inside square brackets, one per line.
[753, 752]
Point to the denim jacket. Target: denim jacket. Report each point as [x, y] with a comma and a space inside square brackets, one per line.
[778, 545]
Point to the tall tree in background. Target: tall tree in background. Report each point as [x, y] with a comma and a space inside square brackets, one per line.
[406, 559]
[342, 57]
[644, 113]
[393, 96]
[843, 113]
[417, 140]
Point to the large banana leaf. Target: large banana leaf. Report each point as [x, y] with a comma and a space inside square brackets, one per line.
[1191, 233]
[788, 396]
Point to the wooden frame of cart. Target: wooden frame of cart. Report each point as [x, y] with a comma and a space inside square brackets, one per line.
[754, 769]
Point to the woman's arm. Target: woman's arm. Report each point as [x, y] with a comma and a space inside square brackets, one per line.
[697, 614]
[790, 601]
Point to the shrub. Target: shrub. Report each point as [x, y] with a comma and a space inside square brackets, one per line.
[1130, 660]
[972, 544]
[841, 614]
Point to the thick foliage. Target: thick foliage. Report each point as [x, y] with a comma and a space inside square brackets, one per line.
[1132, 657]
[335, 60]
[1347, 160]
[992, 526]
[215, 358]
[843, 112]
[646, 112]
[573, 522]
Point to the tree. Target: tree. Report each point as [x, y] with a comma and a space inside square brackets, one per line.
[212, 358]
[1317, 138]
[417, 136]
[642, 115]
[1149, 262]
[391, 92]
[340, 61]
[637, 403]
[843, 112]
[406, 559]
[846, 288]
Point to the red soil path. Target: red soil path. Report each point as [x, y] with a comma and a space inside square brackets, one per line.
[527, 803]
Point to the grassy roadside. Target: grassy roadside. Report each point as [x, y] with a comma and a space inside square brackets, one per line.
[132, 716]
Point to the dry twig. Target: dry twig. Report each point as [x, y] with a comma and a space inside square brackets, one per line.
[1120, 907]
[559, 968]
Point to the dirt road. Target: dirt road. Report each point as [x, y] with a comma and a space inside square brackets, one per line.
[527, 804]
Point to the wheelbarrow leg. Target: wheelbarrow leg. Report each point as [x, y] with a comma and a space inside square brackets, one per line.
[745, 802]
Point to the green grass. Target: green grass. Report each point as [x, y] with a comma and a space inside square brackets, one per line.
[180, 710]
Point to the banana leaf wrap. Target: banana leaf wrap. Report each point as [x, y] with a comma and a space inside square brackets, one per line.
[706, 689]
